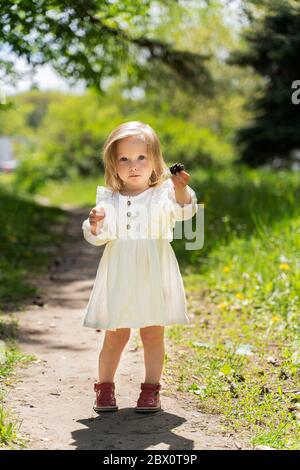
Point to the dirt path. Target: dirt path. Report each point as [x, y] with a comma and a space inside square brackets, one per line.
[53, 397]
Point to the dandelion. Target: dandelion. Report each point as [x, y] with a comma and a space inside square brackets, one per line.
[226, 269]
[223, 305]
[275, 319]
[284, 267]
[239, 295]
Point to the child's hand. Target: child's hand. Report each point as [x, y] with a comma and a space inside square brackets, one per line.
[95, 216]
[180, 180]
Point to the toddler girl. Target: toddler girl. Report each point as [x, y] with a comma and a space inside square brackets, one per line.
[138, 283]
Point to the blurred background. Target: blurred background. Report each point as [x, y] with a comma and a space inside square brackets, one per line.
[214, 78]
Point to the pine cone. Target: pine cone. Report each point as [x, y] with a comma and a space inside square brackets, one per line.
[177, 167]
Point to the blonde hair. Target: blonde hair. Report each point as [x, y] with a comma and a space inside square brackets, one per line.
[128, 129]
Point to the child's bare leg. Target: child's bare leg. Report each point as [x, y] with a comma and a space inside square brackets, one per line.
[154, 352]
[110, 354]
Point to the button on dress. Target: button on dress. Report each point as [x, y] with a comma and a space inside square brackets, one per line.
[138, 281]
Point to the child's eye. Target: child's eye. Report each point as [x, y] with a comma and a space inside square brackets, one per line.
[122, 158]
[143, 156]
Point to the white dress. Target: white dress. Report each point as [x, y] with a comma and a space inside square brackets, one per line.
[138, 282]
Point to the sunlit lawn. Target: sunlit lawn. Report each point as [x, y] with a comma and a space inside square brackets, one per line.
[78, 192]
[243, 295]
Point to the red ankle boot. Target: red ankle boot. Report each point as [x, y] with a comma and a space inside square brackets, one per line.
[105, 397]
[149, 400]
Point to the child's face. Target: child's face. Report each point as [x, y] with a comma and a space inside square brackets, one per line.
[133, 159]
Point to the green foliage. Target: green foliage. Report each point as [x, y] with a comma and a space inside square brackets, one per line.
[72, 130]
[92, 41]
[273, 44]
[192, 145]
[61, 136]
[25, 112]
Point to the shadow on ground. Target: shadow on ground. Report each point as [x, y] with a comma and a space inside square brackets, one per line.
[127, 429]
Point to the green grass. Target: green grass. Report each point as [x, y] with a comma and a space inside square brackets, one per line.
[10, 359]
[239, 357]
[243, 295]
[28, 238]
[9, 432]
[76, 192]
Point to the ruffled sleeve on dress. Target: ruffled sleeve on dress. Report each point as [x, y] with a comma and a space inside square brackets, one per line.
[180, 212]
[107, 231]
